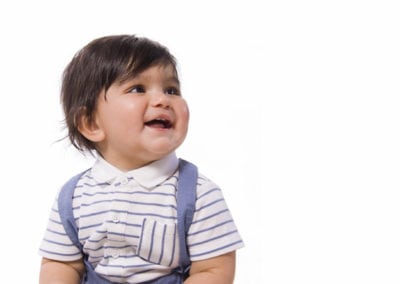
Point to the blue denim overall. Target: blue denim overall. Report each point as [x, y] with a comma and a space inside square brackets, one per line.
[186, 197]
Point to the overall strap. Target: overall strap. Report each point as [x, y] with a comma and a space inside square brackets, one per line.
[66, 211]
[186, 201]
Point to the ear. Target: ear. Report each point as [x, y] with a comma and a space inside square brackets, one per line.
[89, 127]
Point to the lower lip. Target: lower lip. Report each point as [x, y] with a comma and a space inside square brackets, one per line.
[158, 128]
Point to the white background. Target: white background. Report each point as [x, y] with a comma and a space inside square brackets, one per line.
[294, 113]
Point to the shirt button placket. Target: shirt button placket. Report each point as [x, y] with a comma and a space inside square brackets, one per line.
[119, 211]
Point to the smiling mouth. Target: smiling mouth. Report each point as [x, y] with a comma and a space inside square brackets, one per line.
[159, 123]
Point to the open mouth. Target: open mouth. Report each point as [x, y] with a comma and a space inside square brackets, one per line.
[159, 123]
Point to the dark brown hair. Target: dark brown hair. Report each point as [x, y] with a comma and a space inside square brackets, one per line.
[96, 67]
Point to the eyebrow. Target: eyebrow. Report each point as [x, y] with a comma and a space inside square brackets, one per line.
[168, 79]
[174, 79]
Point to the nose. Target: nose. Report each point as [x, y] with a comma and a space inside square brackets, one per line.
[160, 99]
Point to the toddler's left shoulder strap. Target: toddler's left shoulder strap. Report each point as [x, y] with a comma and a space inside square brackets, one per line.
[186, 202]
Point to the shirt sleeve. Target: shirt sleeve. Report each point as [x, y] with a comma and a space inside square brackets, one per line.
[56, 244]
[213, 231]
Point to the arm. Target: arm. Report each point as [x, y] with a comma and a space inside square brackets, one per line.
[216, 270]
[57, 272]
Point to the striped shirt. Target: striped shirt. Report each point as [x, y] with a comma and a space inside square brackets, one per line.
[127, 222]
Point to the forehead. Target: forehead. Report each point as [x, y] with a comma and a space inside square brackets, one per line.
[161, 72]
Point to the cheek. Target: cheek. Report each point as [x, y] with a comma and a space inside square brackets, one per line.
[186, 116]
[184, 113]
[119, 121]
[127, 113]
[185, 120]
[184, 123]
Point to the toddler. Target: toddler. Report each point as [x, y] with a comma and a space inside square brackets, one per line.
[122, 102]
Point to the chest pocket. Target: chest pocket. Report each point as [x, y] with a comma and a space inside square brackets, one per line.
[158, 242]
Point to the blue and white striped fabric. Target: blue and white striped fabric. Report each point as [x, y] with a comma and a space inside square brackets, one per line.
[127, 222]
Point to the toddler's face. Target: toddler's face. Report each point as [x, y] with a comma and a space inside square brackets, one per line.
[142, 119]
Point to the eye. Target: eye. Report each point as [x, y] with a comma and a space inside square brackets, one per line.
[137, 89]
[173, 91]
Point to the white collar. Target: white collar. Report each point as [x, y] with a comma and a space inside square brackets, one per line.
[148, 176]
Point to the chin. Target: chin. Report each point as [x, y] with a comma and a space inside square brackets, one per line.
[163, 150]
[163, 145]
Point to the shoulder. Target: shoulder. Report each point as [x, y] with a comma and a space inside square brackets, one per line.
[207, 192]
[67, 191]
[212, 232]
[205, 186]
[204, 182]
